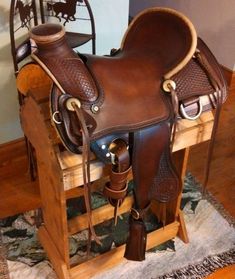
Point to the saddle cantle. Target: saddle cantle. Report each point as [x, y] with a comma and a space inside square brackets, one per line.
[117, 103]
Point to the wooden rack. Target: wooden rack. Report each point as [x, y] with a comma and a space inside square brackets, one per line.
[60, 178]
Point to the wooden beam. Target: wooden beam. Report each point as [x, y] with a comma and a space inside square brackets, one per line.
[99, 215]
[59, 265]
[115, 256]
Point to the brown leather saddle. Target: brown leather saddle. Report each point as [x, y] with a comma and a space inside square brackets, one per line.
[116, 106]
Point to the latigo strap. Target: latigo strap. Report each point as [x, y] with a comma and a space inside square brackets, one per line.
[145, 165]
[116, 189]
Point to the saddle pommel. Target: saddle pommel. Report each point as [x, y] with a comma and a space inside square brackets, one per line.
[62, 64]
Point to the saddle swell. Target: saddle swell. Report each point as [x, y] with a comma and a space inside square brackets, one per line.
[61, 63]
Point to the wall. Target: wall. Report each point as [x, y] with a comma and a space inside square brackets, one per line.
[213, 19]
[9, 121]
[111, 18]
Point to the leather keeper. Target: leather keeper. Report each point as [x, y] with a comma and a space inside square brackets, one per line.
[117, 187]
[115, 194]
[136, 242]
[118, 179]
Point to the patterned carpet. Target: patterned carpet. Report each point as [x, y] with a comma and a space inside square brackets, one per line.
[211, 232]
[3, 262]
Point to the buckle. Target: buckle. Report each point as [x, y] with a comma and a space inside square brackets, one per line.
[135, 214]
[113, 149]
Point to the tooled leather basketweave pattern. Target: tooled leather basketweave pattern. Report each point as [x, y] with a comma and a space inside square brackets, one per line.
[165, 186]
[76, 80]
[192, 81]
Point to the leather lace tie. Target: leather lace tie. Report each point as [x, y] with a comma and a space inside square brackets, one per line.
[218, 88]
[86, 173]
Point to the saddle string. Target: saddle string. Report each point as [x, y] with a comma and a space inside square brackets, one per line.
[218, 97]
[175, 105]
[201, 58]
[212, 141]
[86, 173]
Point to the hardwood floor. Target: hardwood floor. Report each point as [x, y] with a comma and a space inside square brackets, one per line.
[224, 273]
[221, 182]
[19, 194]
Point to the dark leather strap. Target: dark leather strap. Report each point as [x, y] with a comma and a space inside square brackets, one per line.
[116, 189]
[154, 178]
[86, 170]
[218, 83]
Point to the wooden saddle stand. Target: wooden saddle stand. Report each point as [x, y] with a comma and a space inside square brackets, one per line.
[129, 109]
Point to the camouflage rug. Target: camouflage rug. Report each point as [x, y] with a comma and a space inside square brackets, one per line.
[211, 233]
[3, 262]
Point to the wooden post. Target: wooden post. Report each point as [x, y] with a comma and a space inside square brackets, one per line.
[50, 179]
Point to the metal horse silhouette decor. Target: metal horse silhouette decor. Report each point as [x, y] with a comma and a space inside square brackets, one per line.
[24, 12]
[67, 9]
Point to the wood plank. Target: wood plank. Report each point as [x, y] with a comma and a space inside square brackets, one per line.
[54, 207]
[49, 172]
[189, 133]
[115, 256]
[182, 233]
[71, 165]
[52, 133]
[45, 110]
[59, 265]
[99, 215]
[74, 177]
[180, 159]
[69, 160]
[32, 77]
